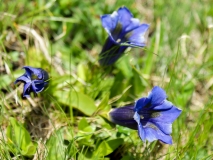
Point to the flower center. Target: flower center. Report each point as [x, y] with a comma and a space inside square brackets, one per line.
[155, 114]
[118, 40]
[34, 77]
[116, 32]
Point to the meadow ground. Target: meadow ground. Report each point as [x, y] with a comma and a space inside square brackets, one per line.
[69, 120]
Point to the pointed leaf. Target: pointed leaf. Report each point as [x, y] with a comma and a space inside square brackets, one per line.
[107, 147]
[77, 100]
[19, 139]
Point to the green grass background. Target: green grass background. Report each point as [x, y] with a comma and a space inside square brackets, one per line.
[69, 120]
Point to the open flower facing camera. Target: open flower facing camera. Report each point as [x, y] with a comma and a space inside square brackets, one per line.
[124, 31]
[152, 116]
[34, 79]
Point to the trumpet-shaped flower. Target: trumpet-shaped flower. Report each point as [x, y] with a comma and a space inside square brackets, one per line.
[124, 31]
[34, 80]
[152, 116]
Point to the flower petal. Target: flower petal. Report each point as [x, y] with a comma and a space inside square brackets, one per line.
[157, 96]
[166, 128]
[166, 115]
[165, 105]
[150, 134]
[45, 75]
[27, 90]
[124, 16]
[141, 132]
[38, 86]
[153, 133]
[134, 23]
[116, 24]
[23, 78]
[109, 21]
[110, 53]
[138, 36]
[162, 119]
[137, 117]
[36, 71]
[141, 103]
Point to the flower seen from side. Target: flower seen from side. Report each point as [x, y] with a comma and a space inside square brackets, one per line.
[124, 31]
[152, 116]
[34, 79]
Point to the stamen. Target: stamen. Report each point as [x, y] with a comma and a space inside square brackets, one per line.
[117, 30]
[128, 35]
[34, 77]
[155, 114]
[118, 40]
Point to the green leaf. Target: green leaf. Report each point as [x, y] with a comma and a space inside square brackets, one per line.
[87, 155]
[14, 56]
[82, 71]
[104, 102]
[103, 122]
[38, 58]
[19, 139]
[103, 108]
[55, 146]
[139, 83]
[61, 81]
[77, 100]
[127, 157]
[123, 130]
[85, 133]
[125, 66]
[5, 80]
[83, 124]
[107, 147]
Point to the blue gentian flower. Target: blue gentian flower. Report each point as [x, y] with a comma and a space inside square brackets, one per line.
[124, 31]
[34, 79]
[152, 116]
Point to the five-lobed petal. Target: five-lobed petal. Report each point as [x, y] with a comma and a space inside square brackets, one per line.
[152, 116]
[124, 31]
[34, 79]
